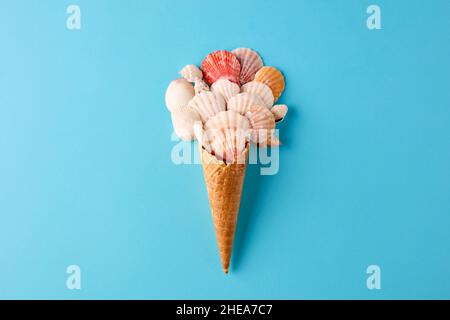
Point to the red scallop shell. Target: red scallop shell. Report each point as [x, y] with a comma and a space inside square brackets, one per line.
[221, 64]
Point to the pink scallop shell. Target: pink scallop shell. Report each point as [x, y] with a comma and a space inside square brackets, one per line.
[250, 61]
[221, 64]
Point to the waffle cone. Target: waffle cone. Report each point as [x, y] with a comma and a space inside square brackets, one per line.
[224, 184]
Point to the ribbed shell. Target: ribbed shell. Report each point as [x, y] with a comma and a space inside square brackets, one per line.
[228, 132]
[221, 64]
[191, 73]
[226, 88]
[262, 90]
[207, 104]
[243, 101]
[250, 62]
[261, 121]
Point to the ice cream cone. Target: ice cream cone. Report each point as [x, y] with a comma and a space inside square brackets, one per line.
[224, 184]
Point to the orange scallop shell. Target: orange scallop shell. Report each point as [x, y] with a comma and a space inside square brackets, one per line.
[273, 78]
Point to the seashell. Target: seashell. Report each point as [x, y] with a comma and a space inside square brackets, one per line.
[183, 120]
[200, 86]
[178, 94]
[279, 111]
[243, 101]
[250, 62]
[207, 104]
[261, 90]
[226, 88]
[191, 73]
[261, 121]
[221, 64]
[228, 134]
[260, 117]
[227, 119]
[273, 78]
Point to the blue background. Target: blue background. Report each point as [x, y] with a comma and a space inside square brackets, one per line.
[86, 176]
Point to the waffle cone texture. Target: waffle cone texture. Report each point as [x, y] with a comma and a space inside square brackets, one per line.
[224, 183]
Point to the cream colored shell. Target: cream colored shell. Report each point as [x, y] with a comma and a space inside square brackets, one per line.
[178, 94]
[260, 89]
[279, 111]
[191, 73]
[261, 121]
[226, 88]
[228, 133]
[207, 104]
[243, 101]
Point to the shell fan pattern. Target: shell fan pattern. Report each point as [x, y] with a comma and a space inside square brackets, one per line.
[227, 102]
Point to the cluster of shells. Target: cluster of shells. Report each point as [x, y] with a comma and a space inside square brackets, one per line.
[227, 103]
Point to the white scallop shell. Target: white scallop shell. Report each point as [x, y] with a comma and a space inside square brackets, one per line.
[250, 61]
[279, 111]
[227, 119]
[191, 73]
[178, 94]
[243, 101]
[207, 104]
[226, 88]
[260, 89]
[262, 123]
[183, 120]
[228, 133]
[200, 86]
[260, 117]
